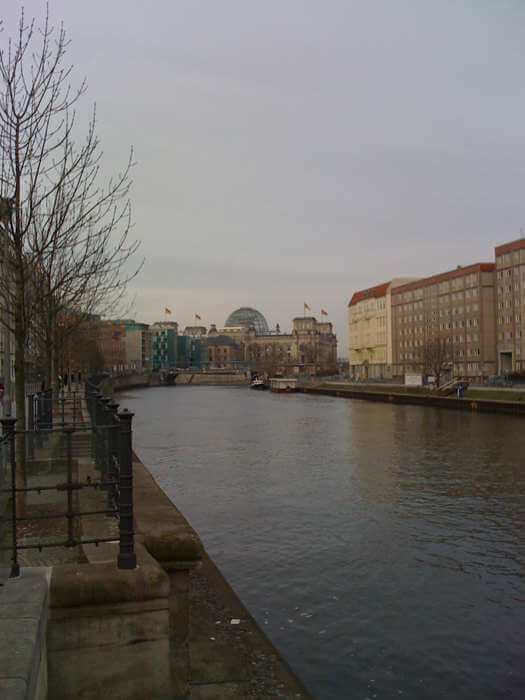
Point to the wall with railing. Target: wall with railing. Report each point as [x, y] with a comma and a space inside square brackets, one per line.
[59, 431]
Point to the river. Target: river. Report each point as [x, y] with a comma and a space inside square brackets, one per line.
[380, 547]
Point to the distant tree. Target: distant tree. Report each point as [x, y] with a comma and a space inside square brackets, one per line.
[437, 356]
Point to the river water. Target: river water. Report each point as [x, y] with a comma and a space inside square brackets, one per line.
[380, 547]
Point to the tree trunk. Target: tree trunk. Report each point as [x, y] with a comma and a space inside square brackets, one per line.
[20, 395]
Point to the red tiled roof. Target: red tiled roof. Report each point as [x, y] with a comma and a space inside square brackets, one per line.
[443, 276]
[509, 247]
[373, 293]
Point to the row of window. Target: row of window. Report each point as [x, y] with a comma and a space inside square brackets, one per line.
[443, 300]
[508, 319]
[510, 258]
[417, 355]
[441, 287]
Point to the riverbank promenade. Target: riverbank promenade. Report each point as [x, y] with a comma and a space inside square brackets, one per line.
[80, 619]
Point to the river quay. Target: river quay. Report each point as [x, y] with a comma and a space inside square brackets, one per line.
[477, 400]
[85, 621]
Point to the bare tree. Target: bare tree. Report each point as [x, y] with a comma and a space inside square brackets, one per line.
[66, 247]
[437, 356]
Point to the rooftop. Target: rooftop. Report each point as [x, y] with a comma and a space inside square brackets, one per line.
[459, 271]
[509, 247]
[376, 292]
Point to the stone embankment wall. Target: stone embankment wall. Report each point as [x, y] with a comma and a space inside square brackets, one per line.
[131, 381]
[117, 632]
[153, 632]
[212, 379]
[465, 404]
[141, 381]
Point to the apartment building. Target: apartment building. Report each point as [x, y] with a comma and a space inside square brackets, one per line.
[510, 306]
[370, 330]
[456, 308]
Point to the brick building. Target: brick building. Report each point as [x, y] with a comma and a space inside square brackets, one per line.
[111, 338]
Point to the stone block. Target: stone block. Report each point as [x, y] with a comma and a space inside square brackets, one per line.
[23, 620]
[108, 631]
[133, 672]
[107, 627]
[179, 606]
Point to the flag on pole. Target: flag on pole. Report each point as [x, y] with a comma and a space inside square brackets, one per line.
[324, 313]
[167, 311]
[197, 317]
[306, 307]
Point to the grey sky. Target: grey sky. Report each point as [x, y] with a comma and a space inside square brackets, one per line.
[296, 151]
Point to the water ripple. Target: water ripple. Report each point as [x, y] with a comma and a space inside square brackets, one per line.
[380, 547]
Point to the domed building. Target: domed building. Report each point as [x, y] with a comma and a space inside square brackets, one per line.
[310, 348]
[248, 318]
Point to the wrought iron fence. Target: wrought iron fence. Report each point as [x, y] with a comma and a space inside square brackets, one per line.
[68, 427]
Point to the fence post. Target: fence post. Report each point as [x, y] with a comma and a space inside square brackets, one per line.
[112, 434]
[8, 429]
[68, 431]
[126, 558]
[62, 400]
[31, 425]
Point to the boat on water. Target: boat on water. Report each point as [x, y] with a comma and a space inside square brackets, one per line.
[283, 385]
[168, 378]
[259, 384]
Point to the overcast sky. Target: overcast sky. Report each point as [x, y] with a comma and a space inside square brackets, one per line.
[293, 151]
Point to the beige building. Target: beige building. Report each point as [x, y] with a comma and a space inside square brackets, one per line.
[510, 306]
[370, 330]
[311, 348]
[455, 309]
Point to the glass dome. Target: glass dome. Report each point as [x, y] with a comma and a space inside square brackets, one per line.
[248, 317]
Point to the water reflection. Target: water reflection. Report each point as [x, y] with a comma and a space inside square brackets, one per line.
[380, 546]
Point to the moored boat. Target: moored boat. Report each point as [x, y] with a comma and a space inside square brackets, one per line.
[284, 385]
[259, 384]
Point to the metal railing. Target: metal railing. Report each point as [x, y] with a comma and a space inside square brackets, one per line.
[68, 427]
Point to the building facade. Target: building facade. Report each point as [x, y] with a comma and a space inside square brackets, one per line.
[223, 352]
[138, 345]
[191, 352]
[164, 345]
[111, 338]
[311, 348]
[453, 311]
[510, 306]
[370, 331]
